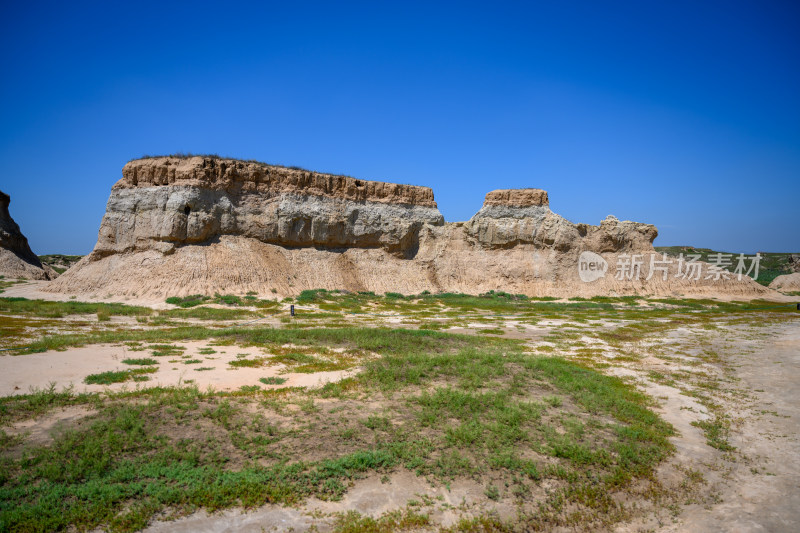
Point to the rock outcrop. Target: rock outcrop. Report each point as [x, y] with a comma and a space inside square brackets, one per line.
[163, 202]
[794, 262]
[16, 258]
[176, 226]
[522, 216]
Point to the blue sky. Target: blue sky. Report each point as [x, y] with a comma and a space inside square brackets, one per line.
[682, 114]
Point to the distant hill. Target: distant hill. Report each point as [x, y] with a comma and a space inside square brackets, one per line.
[772, 264]
[59, 262]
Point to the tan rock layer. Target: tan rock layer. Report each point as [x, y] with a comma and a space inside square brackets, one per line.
[517, 197]
[203, 225]
[249, 176]
[446, 263]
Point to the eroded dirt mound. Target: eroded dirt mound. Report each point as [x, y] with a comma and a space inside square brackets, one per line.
[176, 226]
[16, 258]
[786, 283]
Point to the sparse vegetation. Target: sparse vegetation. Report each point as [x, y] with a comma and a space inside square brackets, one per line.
[51, 309]
[187, 301]
[508, 416]
[118, 376]
[143, 361]
[272, 380]
[60, 262]
[480, 389]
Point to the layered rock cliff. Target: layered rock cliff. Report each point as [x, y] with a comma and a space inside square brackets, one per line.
[522, 216]
[164, 202]
[16, 258]
[176, 226]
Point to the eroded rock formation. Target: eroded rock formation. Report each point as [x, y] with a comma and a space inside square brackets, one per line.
[522, 216]
[177, 226]
[16, 258]
[162, 203]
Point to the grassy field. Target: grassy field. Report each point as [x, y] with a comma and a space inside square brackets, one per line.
[514, 421]
[515, 398]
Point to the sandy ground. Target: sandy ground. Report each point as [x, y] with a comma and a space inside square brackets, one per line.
[370, 496]
[32, 290]
[761, 492]
[18, 374]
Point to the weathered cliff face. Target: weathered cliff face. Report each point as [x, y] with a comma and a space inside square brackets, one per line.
[161, 203]
[201, 225]
[522, 216]
[16, 258]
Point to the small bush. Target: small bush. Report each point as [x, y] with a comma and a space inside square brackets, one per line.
[227, 299]
[311, 295]
[273, 380]
[106, 378]
[187, 301]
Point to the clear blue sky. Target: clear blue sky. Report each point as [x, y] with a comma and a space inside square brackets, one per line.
[682, 114]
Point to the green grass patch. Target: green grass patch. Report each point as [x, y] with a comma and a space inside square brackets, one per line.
[187, 301]
[249, 363]
[39, 401]
[118, 376]
[272, 380]
[453, 406]
[166, 350]
[50, 309]
[210, 313]
[716, 432]
[140, 361]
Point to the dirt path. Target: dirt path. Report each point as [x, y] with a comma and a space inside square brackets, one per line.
[761, 492]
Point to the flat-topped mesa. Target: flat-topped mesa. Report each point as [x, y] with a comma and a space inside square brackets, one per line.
[16, 257]
[199, 225]
[164, 202]
[511, 217]
[231, 175]
[517, 197]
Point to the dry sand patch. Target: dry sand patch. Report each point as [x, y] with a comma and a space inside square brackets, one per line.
[18, 374]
